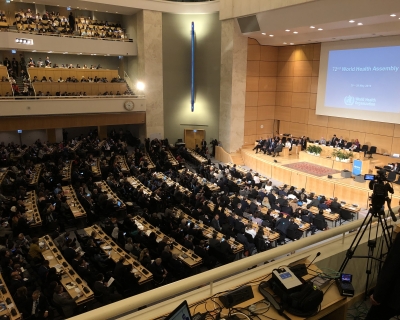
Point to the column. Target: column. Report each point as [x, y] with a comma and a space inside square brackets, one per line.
[233, 86]
[102, 131]
[51, 135]
[150, 69]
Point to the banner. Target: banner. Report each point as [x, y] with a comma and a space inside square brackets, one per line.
[357, 167]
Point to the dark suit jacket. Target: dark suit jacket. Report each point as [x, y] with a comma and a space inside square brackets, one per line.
[66, 303]
[215, 224]
[41, 308]
[335, 206]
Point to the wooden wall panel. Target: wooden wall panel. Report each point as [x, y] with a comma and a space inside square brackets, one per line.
[253, 68]
[304, 52]
[250, 114]
[395, 146]
[301, 84]
[284, 99]
[267, 84]
[269, 53]
[266, 113]
[252, 83]
[282, 113]
[316, 132]
[314, 85]
[285, 69]
[353, 135]
[301, 100]
[299, 115]
[251, 99]
[302, 69]
[380, 128]
[266, 98]
[250, 139]
[317, 120]
[284, 84]
[396, 131]
[268, 69]
[383, 143]
[70, 121]
[298, 180]
[250, 128]
[317, 51]
[313, 101]
[286, 53]
[264, 127]
[253, 52]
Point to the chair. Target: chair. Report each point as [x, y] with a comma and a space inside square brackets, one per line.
[348, 145]
[364, 149]
[392, 176]
[371, 151]
[277, 150]
[345, 215]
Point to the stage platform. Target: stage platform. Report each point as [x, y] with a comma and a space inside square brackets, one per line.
[346, 189]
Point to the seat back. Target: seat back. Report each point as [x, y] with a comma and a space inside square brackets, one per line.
[346, 215]
[372, 150]
[364, 147]
[391, 176]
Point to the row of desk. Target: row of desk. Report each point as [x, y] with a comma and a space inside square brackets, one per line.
[111, 249]
[188, 257]
[8, 309]
[207, 231]
[32, 210]
[70, 280]
[171, 158]
[35, 175]
[170, 183]
[72, 200]
[203, 181]
[197, 157]
[96, 169]
[104, 187]
[150, 164]
[67, 171]
[122, 163]
[135, 183]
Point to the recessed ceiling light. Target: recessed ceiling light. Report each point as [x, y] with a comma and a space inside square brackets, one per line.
[295, 32]
[65, 52]
[392, 15]
[359, 24]
[312, 27]
[78, 7]
[271, 35]
[33, 50]
[291, 43]
[50, 52]
[58, 5]
[263, 33]
[116, 11]
[320, 29]
[287, 30]
[106, 11]
[284, 43]
[351, 21]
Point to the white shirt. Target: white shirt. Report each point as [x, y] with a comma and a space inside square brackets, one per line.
[256, 179]
[252, 232]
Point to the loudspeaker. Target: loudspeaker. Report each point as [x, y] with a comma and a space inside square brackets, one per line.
[329, 176]
[237, 296]
[248, 24]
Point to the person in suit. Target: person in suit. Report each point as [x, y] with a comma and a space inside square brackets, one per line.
[177, 267]
[215, 223]
[259, 145]
[119, 270]
[203, 145]
[226, 250]
[278, 148]
[243, 240]
[39, 306]
[385, 299]
[100, 288]
[322, 222]
[64, 300]
[43, 270]
[281, 226]
[322, 141]
[158, 271]
[332, 142]
[335, 206]
[314, 202]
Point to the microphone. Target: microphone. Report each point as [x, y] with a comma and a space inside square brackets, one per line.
[317, 255]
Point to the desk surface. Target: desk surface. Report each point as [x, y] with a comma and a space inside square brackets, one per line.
[72, 200]
[104, 187]
[203, 181]
[110, 248]
[332, 301]
[35, 175]
[69, 278]
[170, 183]
[7, 303]
[122, 163]
[66, 171]
[32, 210]
[186, 255]
[195, 155]
[96, 167]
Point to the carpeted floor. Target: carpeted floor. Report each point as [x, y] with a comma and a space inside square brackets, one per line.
[311, 168]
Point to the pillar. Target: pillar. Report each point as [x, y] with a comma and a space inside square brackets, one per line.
[150, 69]
[233, 86]
[51, 135]
[102, 132]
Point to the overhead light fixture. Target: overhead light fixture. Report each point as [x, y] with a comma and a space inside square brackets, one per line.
[295, 32]
[271, 35]
[312, 27]
[33, 50]
[140, 85]
[263, 33]
[291, 43]
[392, 15]
[65, 52]
[50, 52]
[320, 29]
[284, 43]
[287, 30]
[24, 41]
[360, 24]
[351, 21]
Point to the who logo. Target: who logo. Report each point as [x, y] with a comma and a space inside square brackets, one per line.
[349, 100]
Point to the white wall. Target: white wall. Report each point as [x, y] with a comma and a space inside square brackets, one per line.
[28, 136]
[68, 106]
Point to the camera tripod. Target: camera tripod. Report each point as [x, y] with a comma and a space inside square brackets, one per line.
[375, 213]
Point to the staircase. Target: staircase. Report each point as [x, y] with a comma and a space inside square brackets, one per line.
[237, 158]
[20, 84]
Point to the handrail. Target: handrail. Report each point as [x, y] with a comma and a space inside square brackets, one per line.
[211, 276]
[128, 81]
[131, 96]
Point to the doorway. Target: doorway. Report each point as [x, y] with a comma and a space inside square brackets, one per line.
[194, 137]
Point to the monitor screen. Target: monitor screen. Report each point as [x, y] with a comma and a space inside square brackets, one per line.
[346, 277]
[180, 313]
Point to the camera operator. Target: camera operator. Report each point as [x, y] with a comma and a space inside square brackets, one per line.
[386, 297]
[380, 190]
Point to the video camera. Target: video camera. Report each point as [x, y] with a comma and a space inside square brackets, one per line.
[380, 176]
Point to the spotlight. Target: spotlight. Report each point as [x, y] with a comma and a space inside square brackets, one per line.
[140, 86]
